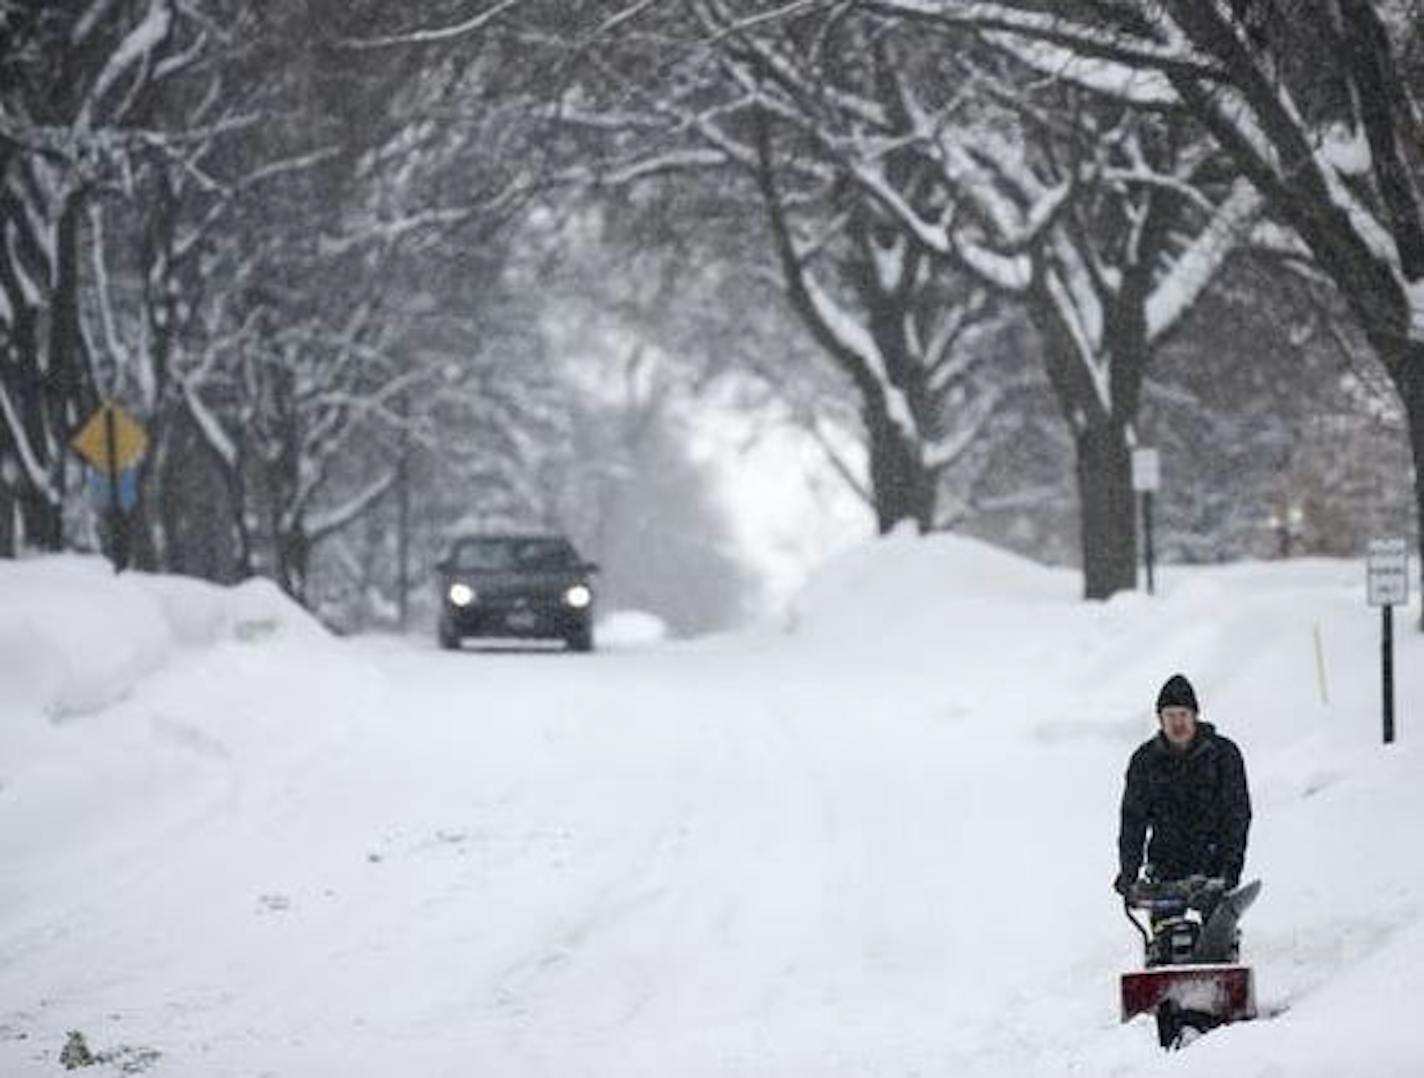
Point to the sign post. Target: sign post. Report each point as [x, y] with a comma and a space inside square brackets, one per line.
[112, 443]
[1146, 479]
[1387, 585]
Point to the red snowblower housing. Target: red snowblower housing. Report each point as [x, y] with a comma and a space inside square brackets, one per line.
[1227, 993]
[1193, 981]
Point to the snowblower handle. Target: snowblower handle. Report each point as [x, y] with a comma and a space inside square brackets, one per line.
[1127, 912]
[1188, 893]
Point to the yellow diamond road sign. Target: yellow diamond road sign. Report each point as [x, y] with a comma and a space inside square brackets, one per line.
[111, 429]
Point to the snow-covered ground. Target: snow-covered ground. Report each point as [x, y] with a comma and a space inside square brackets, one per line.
[877, 840]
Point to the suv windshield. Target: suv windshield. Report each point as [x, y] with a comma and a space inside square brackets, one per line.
[512, 555]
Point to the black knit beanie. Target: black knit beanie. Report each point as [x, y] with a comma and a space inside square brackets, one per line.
[1177, 693]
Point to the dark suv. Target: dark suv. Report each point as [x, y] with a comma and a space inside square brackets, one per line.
[527, 586]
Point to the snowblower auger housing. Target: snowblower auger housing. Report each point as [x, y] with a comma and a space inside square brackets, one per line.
[1193, 981]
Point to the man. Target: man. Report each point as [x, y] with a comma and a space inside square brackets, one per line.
[1187, 787]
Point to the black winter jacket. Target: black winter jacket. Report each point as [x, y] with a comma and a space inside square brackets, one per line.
[1195, 803]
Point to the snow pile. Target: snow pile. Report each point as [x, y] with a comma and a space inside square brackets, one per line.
[202, 614]
[882, 581]
[75, 637]
[881, 843]
[903, 590]
[72, 638]
[630, 629]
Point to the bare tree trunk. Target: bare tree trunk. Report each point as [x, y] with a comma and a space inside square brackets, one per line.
[1108, 524]
[153, 521]
[403, 531]
[41, 521]
[901, 486]
[237, 485]
[155, 528]
[39, 518]
[293, 550]
[7, 517]
[70, 390]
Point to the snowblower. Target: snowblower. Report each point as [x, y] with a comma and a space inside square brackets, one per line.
[1194, 981]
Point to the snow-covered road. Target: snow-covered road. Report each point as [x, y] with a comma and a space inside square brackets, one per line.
[880, 844]
[710, 862]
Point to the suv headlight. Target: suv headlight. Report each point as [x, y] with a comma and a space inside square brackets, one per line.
[461, 594]
[578, 596]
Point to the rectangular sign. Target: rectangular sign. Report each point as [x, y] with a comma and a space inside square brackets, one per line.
[1146, 470]
[104, 496]
[1387, 573]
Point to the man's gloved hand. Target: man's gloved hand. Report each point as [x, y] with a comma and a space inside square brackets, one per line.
[1124, 881]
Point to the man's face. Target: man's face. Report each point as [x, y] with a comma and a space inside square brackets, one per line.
[1179, 724]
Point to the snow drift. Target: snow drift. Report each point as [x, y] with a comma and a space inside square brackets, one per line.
[74, 637]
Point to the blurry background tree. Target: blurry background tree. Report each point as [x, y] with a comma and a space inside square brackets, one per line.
[373, 273]
[917, 188]
[1317, 103]
[1280, 435]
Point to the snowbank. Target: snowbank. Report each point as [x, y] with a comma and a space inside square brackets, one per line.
[630, 629]
[75, 637]
[883, 582]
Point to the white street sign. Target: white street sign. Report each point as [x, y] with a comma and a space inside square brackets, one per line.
[1146, 470]
[1387, 573]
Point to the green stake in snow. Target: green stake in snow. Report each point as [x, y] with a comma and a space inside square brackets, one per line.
[1387, 586]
